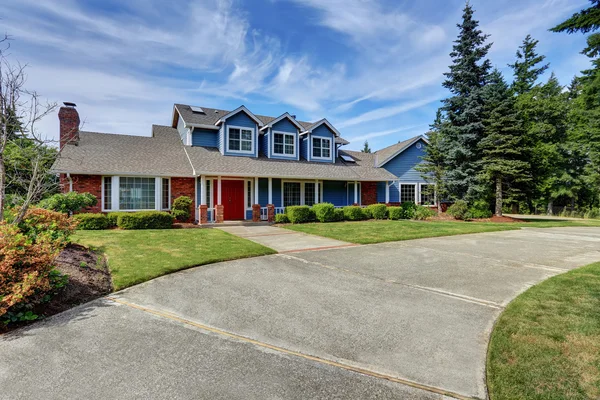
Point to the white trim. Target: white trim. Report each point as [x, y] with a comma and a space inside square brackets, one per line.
[355, 192]
[413, 141]
[270, 191]
[281, 117]
[218, 191]
[272, 137]
[253, 130]
[256, 190]
[387, 192]
[421, 184]
[312, 157]
[238, 110]
[161, 198]
[203, 190]
[415, 184]
[350, 195]
[321, 122]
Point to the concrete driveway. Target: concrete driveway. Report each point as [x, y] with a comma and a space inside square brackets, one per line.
[402, 320]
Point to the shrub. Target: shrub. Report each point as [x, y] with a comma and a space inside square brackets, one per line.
[423, 213]
[91, 221]
[113, 218]
[592, 213]
[338, 214]
[281, 219]
[324, 212]
[395, 213]
[69, 203]
[181, 208]
[40, 222]
[408, 209]
[353, 213]
[145, 220]
[378, 211]
[299, 214]
[479, 209]
[367, 214]
[458, 210]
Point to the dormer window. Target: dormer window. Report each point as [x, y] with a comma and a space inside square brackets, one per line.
[321, 148]
[240, 139]
[284, 144]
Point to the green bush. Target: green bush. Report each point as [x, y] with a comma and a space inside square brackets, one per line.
[324, 212]
[479, 209]
[299, 214]
[69, 203]
[395, 213]
[145, 220]
[91, 221]
[408, 209]
[338, 214]
[367, 214]
[378, 211]
[181, 208]
[113, 218]
[354, 213]
[459, 210]
[281, 219]
[592, 213]
[422, 213]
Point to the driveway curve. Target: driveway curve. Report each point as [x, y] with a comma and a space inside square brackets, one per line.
[394, 320]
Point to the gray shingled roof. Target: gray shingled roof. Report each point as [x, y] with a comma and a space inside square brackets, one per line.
[386, 153]
[104, 153]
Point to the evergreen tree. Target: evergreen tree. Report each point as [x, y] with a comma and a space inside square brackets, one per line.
[526, 68]
[585, 21]
[502, 146]
[366, 148]
[433, 167]
[464, 111]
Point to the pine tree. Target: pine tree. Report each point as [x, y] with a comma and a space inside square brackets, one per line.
[366, 148]
[463, 111]
[433, 167]
[526, 69]
[502, 146]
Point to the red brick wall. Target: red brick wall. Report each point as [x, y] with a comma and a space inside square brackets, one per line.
[368, 193]
[184, 187]
[86, 183]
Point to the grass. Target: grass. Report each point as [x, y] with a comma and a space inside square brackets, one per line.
[546, 344]
[366, 232]
[137, 256]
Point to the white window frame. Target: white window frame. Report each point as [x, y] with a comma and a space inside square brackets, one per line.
[252, 141]
[293, 135]
[248, 183]
[312, 157]
[417, 193]
[115, 186]
[161, 198]
[302, 184]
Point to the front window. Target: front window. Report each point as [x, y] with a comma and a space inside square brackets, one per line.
[137, 193]
[283, 144]
[321, 148]
[309, 193]
[165, 194]
[427, 195]
[249, 197]
[291, 194]
[240, 140]
[108, 192]
[407, 193]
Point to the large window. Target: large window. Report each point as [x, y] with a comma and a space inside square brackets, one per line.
[407, 192]
[240, 139]
[108, 193]
[309, 193]
[166, 195]
[283, 144]
[321, 148]
[137, 193]
[291, 194]
[427, 195]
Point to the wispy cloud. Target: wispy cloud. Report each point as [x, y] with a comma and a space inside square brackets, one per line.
[372, 135]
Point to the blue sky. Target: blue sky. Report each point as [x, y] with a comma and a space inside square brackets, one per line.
[373, 68]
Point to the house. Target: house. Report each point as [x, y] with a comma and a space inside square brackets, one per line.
[235, 165]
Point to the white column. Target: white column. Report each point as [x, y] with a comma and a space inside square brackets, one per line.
[387, 192]
[417, 193]
[399, 192]
[203, 190]
[255, 190]
[270, 190]
[157, 193]
[115, 181]
[218, 190]
[355, 192]
[316, 191]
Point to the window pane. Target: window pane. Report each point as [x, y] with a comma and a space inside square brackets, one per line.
[325, 144]
[309, 193]
[234, 133]
[165, 194]
[108, 193]
[407, 193]
[291, 194]
[289, 149]
[234, 144]
[137, 193]
[278, 148]
[246, 146]
[316, 147]
[246, 135]
[289, 139]
[278, 138]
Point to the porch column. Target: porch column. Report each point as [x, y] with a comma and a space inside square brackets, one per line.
[355, 192]
[316, 191]
[387, 192]
[270, 191]
[219, 208]
[203, 208]
[255, 190]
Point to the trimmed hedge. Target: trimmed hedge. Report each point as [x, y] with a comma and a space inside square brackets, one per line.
[395, 213]
[90, 222]
[378, 211]
[145, 220]
[354, 213]
[422, 213]
[338, 214]
[281, 219]
[113, 217]
[181, 208]
[324, 212]
[299, 214]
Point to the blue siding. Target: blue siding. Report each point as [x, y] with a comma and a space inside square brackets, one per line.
[249, 215]
[263, 142]
[403, 165]
[304, 148]
[205, 137]
[394, 193]
[263, 191]
[381, 192]
[182, 130]
[285, 126]
[220, 141]
[241, 119]
[335, 192]
[277, 193]
[324, 131]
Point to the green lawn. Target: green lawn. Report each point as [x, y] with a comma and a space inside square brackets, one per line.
[366, 232]
[546, 344]
[137, 256]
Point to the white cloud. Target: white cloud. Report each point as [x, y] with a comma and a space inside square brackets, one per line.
[372, 135]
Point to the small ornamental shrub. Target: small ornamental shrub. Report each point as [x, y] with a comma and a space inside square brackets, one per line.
[69, 203]
[592, 213]
[459, 210]
[40, 222]
[338, 214]
[353, 213]
[281, 219]
[479, 209]
[181, 208]
[145, 220]
[422, 213]
[408, 209]
[91, 221]
[395, 213]
[324, 212]
[299, 214]
[113, 218]
[378, 211]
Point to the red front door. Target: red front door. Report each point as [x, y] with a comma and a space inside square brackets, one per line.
[232, 196]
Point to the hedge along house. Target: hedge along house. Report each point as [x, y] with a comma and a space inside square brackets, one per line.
[235, 165]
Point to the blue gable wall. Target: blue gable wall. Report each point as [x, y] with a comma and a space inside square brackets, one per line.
[323, 131]
[205, 137]
[263, 143]
[240, 119]
[403, 165]
[284, 126]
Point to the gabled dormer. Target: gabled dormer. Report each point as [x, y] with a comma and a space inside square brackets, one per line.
[280, 138]
[238, 133]
[318, 142]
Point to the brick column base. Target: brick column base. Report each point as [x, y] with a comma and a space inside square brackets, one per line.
[271, 213]
[255, 212]
[203, 214]
[220, 215]
[356, 204]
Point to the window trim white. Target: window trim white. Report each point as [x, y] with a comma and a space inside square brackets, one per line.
[273, 153]
[115, 183]
[250, 183]
[302, 184]
[161, 194]
[415, 185]
[252, 141]
[321, 138]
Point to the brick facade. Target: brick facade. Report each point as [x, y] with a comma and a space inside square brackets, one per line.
[368, 193]
[69, 125]
[184, 187]
[85, 183]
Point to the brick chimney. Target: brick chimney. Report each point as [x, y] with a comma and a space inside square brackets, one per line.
[69, 124]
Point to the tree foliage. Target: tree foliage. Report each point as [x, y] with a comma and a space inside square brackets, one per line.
[366, 148]
[526, 67]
